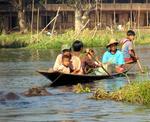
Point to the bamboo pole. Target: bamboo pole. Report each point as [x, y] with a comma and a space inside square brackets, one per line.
[147, 18]
[101, 13]
[38, 12]
[49, 23]
[131, 14]
[97, 13]
[57, 14]
[114, 2]
[138, 17]
[76, 35]
[32, 18]
[147, 15]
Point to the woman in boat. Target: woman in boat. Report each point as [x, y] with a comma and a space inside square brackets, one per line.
[77, 47]
[89, 62]
[113, 58]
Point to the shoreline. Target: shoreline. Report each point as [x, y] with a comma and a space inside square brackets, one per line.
[43, 41]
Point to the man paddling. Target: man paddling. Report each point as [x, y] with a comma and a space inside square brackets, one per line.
[128, 50]
[113, 57]
[127, 47]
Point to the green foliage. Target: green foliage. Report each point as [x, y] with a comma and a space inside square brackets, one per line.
[89, 38]
[81, 89]
[137, 92]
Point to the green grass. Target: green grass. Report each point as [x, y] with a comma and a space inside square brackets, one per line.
[89, 38]
[136, 92]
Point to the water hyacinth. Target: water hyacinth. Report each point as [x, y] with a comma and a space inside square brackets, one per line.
[81, 89]
[136, 92]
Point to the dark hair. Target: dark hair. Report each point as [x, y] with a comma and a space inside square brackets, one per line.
[66, 56]
[77, 45]
[130, 33]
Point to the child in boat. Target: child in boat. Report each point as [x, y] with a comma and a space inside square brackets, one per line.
[127, 47]
[66, 50]
[66, 66]
[88, 62]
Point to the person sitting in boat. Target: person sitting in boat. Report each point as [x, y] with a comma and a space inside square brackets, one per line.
[113, 58]
[89, 62]
[66, 50]
[66, 66]
[77, 47]
[127, 47]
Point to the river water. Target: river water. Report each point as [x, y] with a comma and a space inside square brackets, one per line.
[18, 73]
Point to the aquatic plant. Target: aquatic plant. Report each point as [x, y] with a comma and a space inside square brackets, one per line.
[81, 89]
[136, 92]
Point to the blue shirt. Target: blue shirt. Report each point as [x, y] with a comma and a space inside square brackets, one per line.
[116, 58]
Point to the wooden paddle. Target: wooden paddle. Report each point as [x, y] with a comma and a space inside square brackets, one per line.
[140, 66]
[138, 61]
[96, 59]
[105, 70]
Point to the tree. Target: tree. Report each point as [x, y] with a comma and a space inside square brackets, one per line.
[82, 8]
[20, 6]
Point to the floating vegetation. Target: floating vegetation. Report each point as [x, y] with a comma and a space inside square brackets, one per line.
[81, 89]
[136, 92]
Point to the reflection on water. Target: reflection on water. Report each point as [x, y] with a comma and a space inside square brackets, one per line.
[17, 74]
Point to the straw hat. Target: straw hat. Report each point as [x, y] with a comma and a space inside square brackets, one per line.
[112, 41]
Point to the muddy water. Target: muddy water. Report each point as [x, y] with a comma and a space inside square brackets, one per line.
[17, 74]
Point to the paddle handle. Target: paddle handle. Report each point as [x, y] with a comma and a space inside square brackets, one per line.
[96, 59]
[106, 71]
[140, 66]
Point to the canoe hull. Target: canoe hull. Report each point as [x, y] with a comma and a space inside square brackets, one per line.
[61, 79]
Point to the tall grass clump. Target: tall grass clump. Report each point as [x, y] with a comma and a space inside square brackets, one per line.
[136, 92]
[14, 40]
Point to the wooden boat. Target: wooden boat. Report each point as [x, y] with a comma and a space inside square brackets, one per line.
[60, 79]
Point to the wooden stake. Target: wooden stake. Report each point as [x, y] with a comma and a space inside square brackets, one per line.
[76, 35]
[49, 23]
[147, 16]
[38, 25]
[97, 14]
[138, 18]
[114, 12]
[131, 14]
[32, 18]
[52, 32]
[101, 14]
